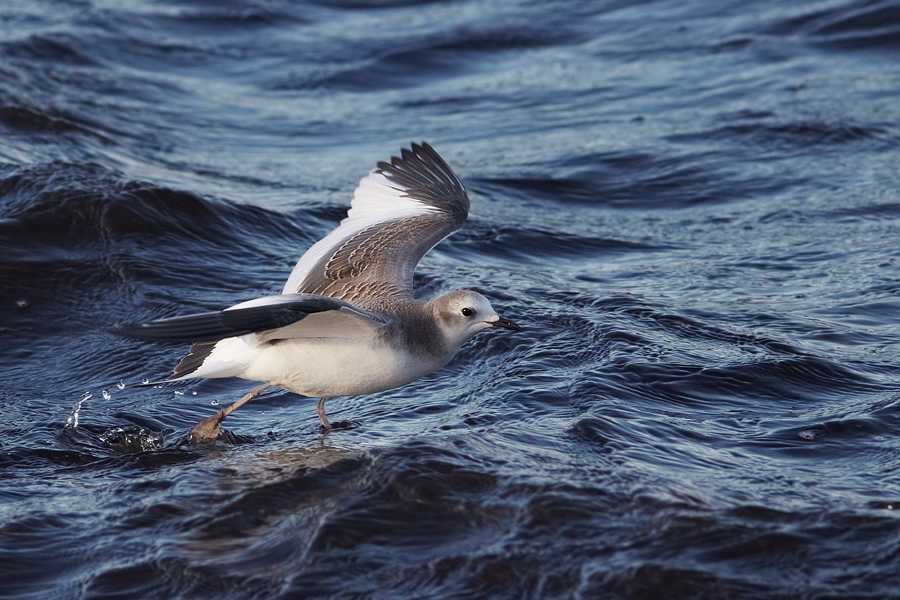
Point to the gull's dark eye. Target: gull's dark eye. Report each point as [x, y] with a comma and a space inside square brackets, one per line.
[468, 312]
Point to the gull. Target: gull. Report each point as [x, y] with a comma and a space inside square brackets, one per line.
[346, 322]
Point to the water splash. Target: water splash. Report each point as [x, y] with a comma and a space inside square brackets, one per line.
[106, 394]
[121, 385]
[132, 438]
[73, 418]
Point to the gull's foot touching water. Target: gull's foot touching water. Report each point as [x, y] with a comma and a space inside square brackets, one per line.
[346, 322]
[320, 410]
[327, 426]
[208, 428]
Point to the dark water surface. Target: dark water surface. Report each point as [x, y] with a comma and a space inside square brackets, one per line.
[692, 207]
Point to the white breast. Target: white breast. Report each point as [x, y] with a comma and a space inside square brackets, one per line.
[325, 367]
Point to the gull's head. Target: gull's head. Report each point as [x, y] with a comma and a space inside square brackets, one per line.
[464, 313]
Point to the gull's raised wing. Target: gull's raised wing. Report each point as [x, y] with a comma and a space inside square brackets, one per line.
[398, 213]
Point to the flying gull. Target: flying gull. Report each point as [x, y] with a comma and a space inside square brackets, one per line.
[346, 323]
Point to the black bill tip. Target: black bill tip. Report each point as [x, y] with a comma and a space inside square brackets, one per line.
[502, 323]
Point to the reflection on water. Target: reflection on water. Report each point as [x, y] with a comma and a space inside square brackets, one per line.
[258, 465]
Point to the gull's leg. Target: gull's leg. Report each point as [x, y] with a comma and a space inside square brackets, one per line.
[320, 410]
[208, 428]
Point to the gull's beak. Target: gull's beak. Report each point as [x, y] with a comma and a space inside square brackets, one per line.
[502, 323]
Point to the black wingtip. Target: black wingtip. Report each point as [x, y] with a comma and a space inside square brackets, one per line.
[144, 331]
[425, 176]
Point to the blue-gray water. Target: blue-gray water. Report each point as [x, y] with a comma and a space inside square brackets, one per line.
[693, 208]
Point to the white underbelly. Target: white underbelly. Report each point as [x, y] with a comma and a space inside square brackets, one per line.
[329, 367]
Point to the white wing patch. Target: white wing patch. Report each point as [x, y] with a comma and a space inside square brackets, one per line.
[378, 195]
[376, 200]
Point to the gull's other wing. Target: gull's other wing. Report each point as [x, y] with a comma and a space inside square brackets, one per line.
[272, 318]
[223, 341]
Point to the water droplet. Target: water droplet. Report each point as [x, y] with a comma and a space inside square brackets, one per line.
[193, 392]
[214, 402]
[106, 395]
[73, 418]
[145, 381]
[121, 385]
